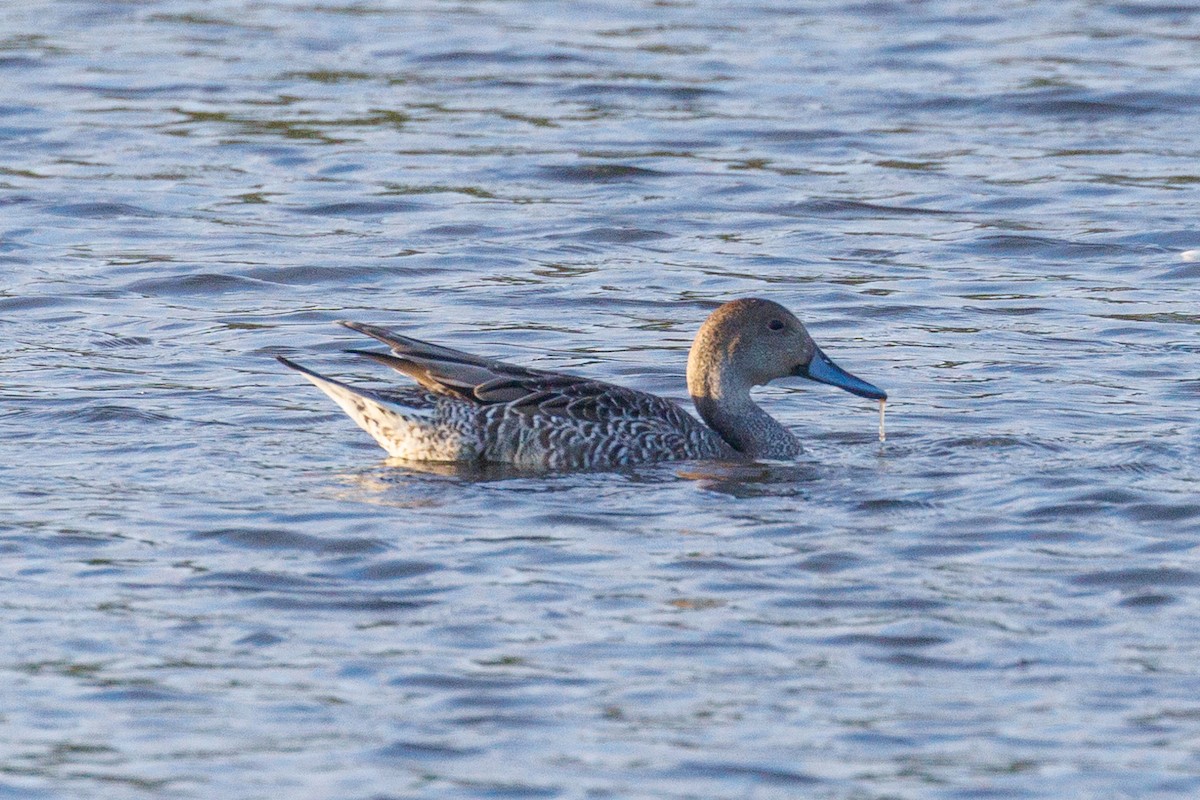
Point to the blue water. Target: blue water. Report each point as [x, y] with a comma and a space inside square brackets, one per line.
[214, 585]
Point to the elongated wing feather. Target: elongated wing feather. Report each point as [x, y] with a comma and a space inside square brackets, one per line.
[438, 368]
[490, 382]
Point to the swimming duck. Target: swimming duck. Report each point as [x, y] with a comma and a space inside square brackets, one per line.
[473, 409]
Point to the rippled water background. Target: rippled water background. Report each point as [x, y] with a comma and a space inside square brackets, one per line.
[214, 586]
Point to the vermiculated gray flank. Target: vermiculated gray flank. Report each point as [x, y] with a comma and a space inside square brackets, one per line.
[472, 409]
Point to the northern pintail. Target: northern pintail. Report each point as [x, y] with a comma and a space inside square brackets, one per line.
[472, 409]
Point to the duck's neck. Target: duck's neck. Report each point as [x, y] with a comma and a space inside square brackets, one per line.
[726, 406]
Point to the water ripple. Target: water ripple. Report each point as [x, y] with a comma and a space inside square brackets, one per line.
[219, 587]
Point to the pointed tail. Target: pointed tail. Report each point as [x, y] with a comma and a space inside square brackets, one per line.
[404, 429]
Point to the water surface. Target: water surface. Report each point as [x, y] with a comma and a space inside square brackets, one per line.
[215, 586]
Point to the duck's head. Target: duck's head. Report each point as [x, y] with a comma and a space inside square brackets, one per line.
[750, 342]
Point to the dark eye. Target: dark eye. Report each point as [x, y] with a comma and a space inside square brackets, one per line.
[775, 325]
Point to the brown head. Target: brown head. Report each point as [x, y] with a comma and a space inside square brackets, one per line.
[749, 342]
[746, 343]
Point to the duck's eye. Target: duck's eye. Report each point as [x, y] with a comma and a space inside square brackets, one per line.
[775, 325]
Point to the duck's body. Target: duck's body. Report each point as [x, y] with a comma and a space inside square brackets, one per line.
[511, 415]
[472, 409]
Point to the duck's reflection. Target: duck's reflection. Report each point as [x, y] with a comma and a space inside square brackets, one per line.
[746, 479]
[424, 484]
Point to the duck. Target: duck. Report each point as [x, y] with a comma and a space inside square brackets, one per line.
[468, 409]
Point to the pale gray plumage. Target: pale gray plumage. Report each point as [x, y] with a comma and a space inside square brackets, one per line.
[472, 409]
